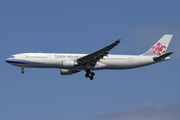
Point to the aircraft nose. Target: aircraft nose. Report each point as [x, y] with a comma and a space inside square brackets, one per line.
[8, 60]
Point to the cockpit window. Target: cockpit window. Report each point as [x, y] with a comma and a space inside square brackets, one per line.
[12, 56]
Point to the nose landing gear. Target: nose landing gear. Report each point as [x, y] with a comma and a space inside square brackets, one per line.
[89, 74]
[22, 68]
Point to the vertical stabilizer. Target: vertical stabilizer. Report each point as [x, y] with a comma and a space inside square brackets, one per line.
[160, 47]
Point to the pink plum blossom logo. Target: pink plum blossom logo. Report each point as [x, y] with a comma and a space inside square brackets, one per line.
[159, 49]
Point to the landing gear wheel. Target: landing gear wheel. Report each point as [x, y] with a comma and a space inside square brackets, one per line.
[86, 75]
[22, 68]
[91, 78]
[92, 73]
[89, 74]
[22, 71]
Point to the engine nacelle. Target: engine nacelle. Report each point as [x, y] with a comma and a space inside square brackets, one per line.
[68, 64]
[68, 71]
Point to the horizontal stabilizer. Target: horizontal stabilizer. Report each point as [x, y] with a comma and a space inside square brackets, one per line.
[162, 56]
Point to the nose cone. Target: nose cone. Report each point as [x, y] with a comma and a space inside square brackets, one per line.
[11, 61]
[8, 60]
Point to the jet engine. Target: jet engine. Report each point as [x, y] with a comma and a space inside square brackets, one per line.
[68, 71]
[68, 64]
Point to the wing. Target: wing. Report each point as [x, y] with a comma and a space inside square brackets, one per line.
[97, 55]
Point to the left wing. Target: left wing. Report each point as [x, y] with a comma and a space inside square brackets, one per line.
[96, 56]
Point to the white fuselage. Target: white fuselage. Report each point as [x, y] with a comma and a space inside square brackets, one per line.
[100, 59]
[55, 60]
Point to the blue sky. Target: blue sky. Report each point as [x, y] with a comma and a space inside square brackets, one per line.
[84, 26]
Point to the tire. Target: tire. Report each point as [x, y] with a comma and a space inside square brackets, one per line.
[86, 75]
[91, 78]
[92, 73]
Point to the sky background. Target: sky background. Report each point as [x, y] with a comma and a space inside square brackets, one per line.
[84, 26]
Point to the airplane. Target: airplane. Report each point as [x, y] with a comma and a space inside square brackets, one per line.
[98, 60]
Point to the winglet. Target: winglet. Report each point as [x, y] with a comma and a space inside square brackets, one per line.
[118, 41]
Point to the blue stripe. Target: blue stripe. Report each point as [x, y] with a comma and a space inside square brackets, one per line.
[18, 61]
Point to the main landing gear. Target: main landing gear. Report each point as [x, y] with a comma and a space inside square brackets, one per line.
[22, 68]
[89, 74]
